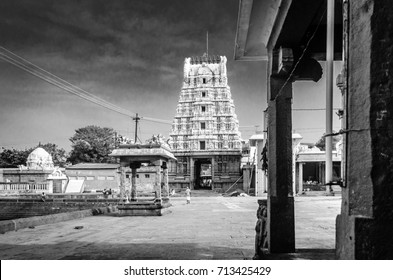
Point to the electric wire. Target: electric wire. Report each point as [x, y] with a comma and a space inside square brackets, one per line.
[56, 77]
[37, 71]
[62, 86]
[72, 89]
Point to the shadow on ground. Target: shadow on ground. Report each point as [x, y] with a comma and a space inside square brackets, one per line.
[72, 250]
[303, 254]
[131, 251]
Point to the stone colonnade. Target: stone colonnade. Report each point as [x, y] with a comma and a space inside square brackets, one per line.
[161, 186]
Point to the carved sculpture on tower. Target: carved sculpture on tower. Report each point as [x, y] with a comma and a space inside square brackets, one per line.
[205, 113]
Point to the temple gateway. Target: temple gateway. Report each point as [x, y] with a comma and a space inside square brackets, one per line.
[205, 135]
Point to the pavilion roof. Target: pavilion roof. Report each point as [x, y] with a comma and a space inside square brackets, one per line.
[145, 152]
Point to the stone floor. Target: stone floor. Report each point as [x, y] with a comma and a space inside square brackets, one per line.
[211, 227]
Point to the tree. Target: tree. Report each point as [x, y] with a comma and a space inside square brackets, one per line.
[321, 143]
[92, 144]
[13, 158]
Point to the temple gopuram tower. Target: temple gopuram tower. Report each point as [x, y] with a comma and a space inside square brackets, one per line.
[205, 135]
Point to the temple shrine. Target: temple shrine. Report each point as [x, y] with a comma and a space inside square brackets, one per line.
[153, 201]
[205, 135]
[37, 176]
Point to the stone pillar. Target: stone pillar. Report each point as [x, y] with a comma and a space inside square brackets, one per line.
[213, 163]
[247, 169]
[264, 178]
[323, 173]
[165, 190]
[255, 170]
[281, 218]
[157, 185]
[133, 184]
[364, 229]
[192, 173]
[295, 148]
[134, 166]
[260, 182]
[122, 183]
[294, 173]
[300, 178]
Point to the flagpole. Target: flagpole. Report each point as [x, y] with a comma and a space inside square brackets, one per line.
[207, 43]
[329, 95]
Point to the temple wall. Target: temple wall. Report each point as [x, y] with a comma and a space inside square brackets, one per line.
[364, 227]
[15, 175]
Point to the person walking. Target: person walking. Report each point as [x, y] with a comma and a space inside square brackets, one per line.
[188, 195]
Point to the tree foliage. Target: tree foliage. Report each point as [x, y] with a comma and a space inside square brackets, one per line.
[92, 144]
[321, 143]
[12, 158]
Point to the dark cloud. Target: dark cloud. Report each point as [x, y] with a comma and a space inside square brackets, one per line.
[99, 38]
[98, 26]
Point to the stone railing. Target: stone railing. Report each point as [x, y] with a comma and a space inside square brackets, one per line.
[24, 187]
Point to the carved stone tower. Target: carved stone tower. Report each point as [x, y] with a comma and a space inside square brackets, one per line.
[205, 135]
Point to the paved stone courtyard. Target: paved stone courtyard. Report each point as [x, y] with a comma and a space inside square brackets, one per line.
[213, 227]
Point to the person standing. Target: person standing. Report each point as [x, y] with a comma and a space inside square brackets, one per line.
[43, 197]
[188, 195]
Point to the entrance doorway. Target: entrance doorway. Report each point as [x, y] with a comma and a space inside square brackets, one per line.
[57, 186]
[203, 174]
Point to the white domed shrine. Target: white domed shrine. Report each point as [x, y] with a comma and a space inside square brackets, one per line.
[40, 159]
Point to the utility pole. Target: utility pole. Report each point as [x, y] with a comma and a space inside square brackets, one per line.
[136, 119]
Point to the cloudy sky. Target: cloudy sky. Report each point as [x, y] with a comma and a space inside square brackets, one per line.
[129, 53]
